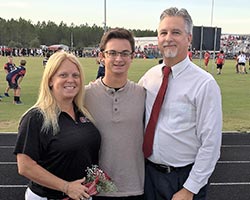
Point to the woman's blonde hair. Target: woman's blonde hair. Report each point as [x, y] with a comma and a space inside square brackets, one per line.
[46, 102]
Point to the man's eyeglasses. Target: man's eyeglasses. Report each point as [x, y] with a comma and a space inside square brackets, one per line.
[114, 54]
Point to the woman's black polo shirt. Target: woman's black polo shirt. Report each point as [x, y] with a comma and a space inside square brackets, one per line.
[66, 154]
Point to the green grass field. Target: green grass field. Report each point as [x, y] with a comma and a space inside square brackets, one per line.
[234, 88]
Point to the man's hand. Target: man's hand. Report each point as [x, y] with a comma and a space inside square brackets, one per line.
[183, 194]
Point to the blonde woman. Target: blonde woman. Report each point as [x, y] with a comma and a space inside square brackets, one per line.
[57, 140]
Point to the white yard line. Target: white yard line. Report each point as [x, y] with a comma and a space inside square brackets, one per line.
[235, 146]
[12, 186]
[234, 162]
[236, 183]
[8, 163]
[7, 147]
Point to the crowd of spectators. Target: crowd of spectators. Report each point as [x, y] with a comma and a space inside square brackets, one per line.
[7, 51]
[230, 44]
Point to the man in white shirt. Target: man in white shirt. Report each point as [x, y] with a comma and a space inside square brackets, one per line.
[187, 138]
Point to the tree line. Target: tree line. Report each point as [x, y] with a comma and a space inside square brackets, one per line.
[24, 34]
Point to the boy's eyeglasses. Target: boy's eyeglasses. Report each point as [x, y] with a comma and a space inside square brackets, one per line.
[114, 54]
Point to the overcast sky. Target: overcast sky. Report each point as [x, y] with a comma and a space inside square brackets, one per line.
[232, 16]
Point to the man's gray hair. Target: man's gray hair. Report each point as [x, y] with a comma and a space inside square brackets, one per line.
[173, 11]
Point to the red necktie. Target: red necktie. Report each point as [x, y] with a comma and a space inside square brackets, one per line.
[150, 129]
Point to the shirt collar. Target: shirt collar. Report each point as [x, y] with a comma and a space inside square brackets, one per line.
[180, 67]
[111, 90]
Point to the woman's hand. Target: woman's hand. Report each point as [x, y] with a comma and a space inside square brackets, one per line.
[76, 190]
